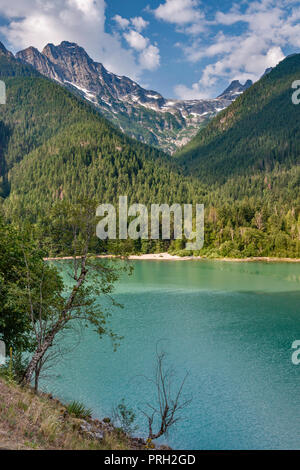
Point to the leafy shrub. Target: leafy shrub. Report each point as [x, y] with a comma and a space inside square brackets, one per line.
[125, 418]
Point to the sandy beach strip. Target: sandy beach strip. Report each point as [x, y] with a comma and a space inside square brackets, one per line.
[168, 257]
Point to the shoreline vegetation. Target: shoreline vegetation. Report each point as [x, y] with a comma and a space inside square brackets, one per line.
[168, 257]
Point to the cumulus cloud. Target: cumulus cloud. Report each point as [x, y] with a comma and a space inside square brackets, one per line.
[179, 12]
[183, 92]
[123, 23]
[38, 22]
[149, 54]
[268, 27]
[139, 23]
[136, 40]
[150, 58]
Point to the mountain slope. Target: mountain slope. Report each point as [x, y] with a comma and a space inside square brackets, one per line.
[143, 114]
[257, 133]
[54, 146]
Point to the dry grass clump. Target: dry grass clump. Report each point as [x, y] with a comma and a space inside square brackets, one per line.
[28, 421]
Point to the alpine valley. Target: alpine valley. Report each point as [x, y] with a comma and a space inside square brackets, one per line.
[142, 114]
[57, 145]
[149, 245]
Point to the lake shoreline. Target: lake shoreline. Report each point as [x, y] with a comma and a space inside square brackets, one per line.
[168, 257]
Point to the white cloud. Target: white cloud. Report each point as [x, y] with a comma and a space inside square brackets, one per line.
[269, 26]
[148, 54]
[179, 12]
[87, 7]
[139, 23]
[136, 40]
[38, 22]
[150, 58]
[194, 93]
[123, 23]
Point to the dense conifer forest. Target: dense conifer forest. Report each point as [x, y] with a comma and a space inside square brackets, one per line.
[244, 166]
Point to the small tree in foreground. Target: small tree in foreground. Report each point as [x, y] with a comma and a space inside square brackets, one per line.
[53, 306]
[170, 400]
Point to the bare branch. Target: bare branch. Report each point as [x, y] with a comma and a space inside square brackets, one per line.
[169, 404]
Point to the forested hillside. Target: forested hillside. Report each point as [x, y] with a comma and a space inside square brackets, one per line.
[56, 147]
[249, 156]
[257, 133]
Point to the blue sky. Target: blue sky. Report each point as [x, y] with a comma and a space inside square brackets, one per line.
[181, 48]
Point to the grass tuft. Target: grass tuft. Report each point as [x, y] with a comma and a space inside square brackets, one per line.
[78, 410]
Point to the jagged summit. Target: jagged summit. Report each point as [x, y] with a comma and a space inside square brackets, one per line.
[235, 89]
[143, 114]
[65, 48]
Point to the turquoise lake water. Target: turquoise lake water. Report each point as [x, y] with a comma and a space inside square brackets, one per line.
[230, 325]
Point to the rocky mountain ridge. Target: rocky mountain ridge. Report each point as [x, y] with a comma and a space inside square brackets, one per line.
[143, 114]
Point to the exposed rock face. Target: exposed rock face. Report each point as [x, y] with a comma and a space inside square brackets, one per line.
[235, 89]
[70, 64]
[143, 114]
[4, 51]
[38, 61]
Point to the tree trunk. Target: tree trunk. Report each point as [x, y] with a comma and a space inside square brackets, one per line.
[37, 357]
[37, 376]
[40, 352]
